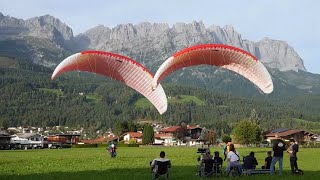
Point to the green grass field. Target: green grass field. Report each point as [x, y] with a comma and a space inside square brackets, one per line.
[131, 163]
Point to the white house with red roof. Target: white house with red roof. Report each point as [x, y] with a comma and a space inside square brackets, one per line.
[164, 138]
[136, 136]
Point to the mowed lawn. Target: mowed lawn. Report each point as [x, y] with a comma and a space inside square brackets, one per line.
[131, 163]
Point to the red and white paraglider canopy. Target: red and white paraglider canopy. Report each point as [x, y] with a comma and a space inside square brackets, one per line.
[228, 57]
[117, 67]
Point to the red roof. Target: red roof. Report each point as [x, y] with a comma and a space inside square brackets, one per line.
[134, 134]
[171, 129]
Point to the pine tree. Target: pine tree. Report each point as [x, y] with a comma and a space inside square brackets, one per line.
[148, 134]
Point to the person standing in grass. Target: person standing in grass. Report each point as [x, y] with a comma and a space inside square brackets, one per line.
[233, 158]
[292, 150]
[112, 150]
[226, 149]
[278, 147]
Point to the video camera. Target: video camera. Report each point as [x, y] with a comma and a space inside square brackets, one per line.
[202, 150]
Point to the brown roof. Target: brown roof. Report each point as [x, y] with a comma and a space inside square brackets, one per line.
[171, 129]
[162, 135]
[193, 127]
[134, 134]
[285, 133]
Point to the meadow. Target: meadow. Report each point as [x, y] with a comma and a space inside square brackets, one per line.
[131, 163]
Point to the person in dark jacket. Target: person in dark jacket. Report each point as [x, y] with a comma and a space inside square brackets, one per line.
[292, 150]
[217, 162]
[267, 160]
[250, 162]
[278, 147]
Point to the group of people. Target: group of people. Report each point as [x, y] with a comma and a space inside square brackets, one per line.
[233, 157]
[207, 157]
[279, 147]
[250, 162]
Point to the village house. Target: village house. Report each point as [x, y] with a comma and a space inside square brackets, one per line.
[181, 136]
[132, 136]
[193, 138]
[171, 135]
[57, 140]
[30, 140]
[163, 138]
[286, 134]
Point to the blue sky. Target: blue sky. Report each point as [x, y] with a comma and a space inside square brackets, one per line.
[294, 21]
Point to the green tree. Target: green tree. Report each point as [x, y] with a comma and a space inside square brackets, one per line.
[254, 117]
[212, 137]
[226, 138]
[204, 136]
[148, 134]
[5, 124]
[132, 127]
[247, 132]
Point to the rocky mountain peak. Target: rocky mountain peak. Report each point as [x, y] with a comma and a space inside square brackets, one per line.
[49, 27]
[162, 40]
[157, 41]
[278, 54]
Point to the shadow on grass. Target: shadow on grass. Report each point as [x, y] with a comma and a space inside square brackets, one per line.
[177, 172]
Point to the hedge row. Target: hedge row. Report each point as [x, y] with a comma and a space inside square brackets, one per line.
[127, 145]
[84, 146]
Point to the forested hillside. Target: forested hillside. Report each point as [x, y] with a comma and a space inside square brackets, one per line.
[29, 97]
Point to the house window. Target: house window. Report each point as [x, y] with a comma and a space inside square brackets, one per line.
[37, 139]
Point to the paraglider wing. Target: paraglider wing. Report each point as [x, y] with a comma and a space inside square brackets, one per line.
[117, 67]
[224, 56]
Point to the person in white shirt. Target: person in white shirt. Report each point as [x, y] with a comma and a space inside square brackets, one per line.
[233, 158]
[161, 159]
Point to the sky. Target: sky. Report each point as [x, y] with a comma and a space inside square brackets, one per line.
[294, 21]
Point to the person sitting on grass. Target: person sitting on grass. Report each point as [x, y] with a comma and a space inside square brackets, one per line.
[160, 165]
[250, 162]
[267, 160]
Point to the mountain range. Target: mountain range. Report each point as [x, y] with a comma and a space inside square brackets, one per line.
[47, 41]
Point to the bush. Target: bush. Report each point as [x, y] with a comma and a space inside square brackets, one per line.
[66, 146]
[102, 145]
[127, 145]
